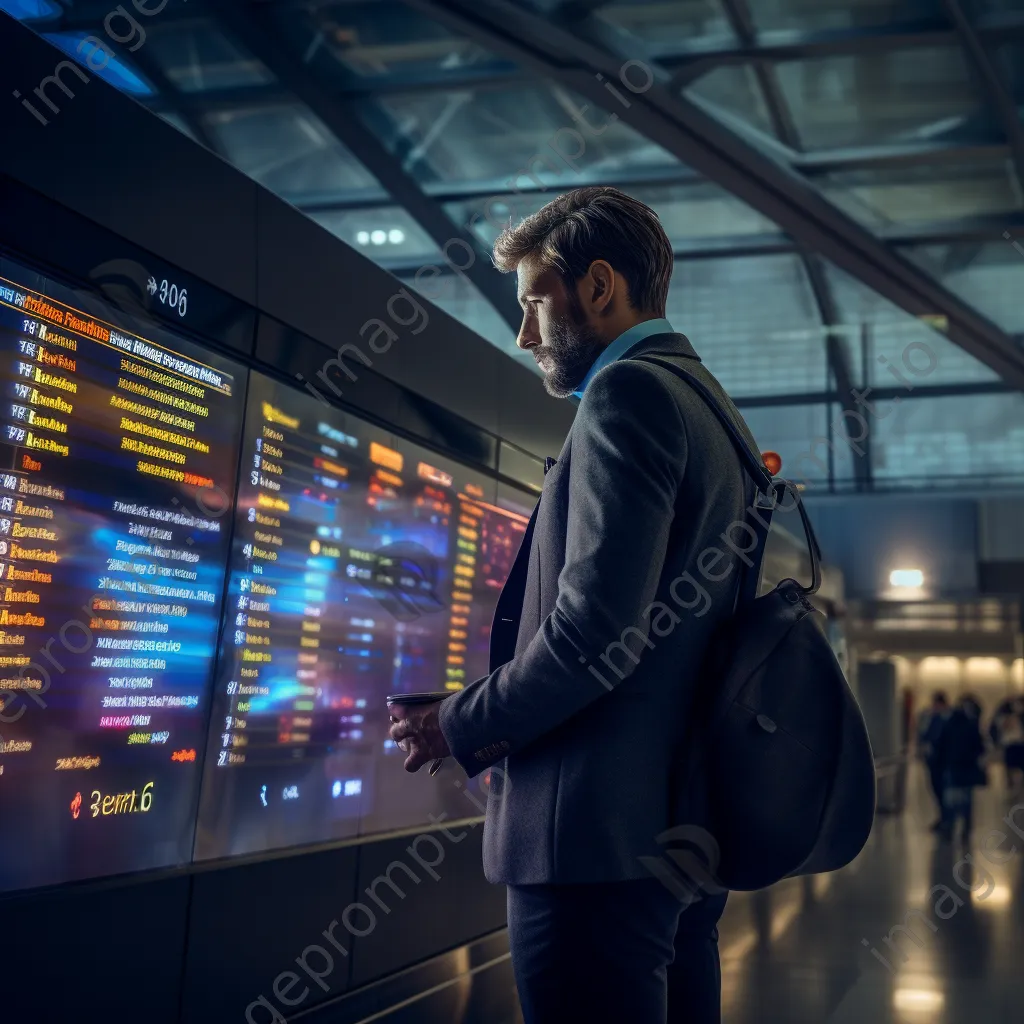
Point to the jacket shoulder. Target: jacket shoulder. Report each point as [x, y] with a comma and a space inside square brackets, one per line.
[629, 381]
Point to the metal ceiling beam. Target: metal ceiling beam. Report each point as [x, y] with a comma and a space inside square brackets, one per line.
[738, 164]
[992, 83]
[877, 395]
[913, 154]
[787, 46]
[741, 20]
[733, 248]
[250, 25]
[838, 360]
[743, 25]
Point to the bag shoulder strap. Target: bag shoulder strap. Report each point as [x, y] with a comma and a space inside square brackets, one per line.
[751, 460]
[773, 491]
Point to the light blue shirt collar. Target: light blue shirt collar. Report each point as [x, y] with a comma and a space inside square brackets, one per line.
[622, 345]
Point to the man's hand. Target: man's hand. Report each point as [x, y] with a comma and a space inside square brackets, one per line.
[419, 735]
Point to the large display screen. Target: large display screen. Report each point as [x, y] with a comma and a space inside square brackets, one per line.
[209, 584]
[118, 460]
[362, 565]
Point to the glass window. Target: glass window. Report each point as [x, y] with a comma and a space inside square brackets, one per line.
[798, 433]
[290, 151]
[897, 349]
[486, 216]
[959, 436]
[872, 98]
[702, 212]
[669, 25]
[101, 61]
[753, 321]
[515, 137]
[461, 300]
[986, 275]
[816, 15]
[884, 197]
[196, 57]
[378, 40]
[387, 234]
[734, 96]
[31, 10]
[693, 215]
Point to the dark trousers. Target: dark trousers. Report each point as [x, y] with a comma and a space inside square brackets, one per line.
[935, 777]
[615, 951]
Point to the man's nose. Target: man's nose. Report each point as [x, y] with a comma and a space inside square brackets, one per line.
[528, 337]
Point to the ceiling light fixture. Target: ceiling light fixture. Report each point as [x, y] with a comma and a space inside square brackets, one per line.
[906, 578]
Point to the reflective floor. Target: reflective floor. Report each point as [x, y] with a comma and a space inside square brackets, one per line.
[913, 931]
[916, 931]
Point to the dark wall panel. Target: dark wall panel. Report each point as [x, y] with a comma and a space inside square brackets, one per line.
[248, 925]
[110, 159]
[869, 536]
[103, 953]
[528, 416]
[437, 898]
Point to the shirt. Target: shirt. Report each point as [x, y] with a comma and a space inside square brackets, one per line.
[622, 346]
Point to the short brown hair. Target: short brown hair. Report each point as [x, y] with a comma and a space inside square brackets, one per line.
[596, 223]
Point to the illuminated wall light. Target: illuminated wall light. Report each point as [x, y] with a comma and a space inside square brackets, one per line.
[906, 578]
[991, 667]
[935, 670]
[998, 896]
[396, 236]
[363, 237]
[919, 1000]
[378, 237]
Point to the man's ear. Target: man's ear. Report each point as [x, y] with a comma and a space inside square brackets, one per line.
[599, 287]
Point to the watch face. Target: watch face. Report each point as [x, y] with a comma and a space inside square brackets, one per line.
[417, 698]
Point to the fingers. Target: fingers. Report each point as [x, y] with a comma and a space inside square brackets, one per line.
[417, 758]
[403, 730]
[409, 739]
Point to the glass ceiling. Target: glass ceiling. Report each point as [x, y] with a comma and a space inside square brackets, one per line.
[382, 123]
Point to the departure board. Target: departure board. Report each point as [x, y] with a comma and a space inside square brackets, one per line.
[362, 565]
[118, 460]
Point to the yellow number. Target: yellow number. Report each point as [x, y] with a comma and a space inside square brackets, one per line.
[95, 808]
[146, 800]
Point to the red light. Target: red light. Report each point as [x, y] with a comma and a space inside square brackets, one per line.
[76, 805]
[772, 462]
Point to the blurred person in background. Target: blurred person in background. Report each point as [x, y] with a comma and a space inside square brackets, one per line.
[959, 751]
[929, 730]
[1007, 732]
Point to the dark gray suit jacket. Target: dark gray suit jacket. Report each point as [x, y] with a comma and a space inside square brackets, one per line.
[602, 626]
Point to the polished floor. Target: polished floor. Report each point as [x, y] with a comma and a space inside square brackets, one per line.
[913, 932]
[916, 931]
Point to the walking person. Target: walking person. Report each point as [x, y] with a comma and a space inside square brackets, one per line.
[1007, 731]
[960, 750]
[929, 731]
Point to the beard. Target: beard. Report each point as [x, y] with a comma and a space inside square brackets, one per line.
[568, 355]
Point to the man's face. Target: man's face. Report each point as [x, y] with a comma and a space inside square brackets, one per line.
[555, 329]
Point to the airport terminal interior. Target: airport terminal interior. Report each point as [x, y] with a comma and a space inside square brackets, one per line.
[265, 228]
